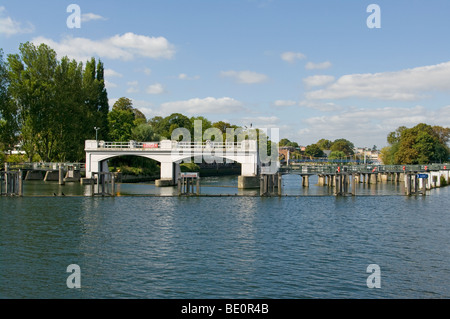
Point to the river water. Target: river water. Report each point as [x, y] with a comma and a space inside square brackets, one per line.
[308, 244]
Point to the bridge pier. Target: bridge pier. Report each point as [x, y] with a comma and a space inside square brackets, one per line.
[305, 180]
[321, 181]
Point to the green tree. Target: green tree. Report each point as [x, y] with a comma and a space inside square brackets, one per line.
[171, 122]
[335, 155]
[343, 145]
[144, 133]
[420, 144]
[32, 75]
[313, 150]
[121, 120]
[324, 144]
[8, 111]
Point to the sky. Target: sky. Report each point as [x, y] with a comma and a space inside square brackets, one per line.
[311, 68]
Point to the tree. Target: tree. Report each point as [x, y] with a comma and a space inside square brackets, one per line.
[222, 126]
[334, 155]
[286, 142]
[8, 111]
[32, 75]
[420, 144]
[324, 144]
[343, 145]
[172, 122]
[121, 120]
[144, 133]
[196, 131]
[314, 150]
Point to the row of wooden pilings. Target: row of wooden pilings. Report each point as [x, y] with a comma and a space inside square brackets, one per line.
[11, 183]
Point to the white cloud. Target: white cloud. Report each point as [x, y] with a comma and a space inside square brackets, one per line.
[320, 106]
[146, 107]
[367, 126]
[318, 66]
[123, 47]
[281, 103]
[133, 87]
[291, 57]
[156, 88]
[184, 76]
[109, 85]
[9, 27]
[245, 77]
[147, 71]
[318, 80]
[209, 105]
[86, 17]
[112, 73]
[404, 85]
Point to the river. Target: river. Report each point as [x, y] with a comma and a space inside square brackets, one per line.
[304, 244]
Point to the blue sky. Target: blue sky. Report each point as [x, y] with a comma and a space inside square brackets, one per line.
[313, 69]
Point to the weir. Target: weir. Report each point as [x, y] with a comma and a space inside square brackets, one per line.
[171, 153]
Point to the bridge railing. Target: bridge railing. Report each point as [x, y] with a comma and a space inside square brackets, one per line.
[46, 166]
[366, 168]
[174, 145]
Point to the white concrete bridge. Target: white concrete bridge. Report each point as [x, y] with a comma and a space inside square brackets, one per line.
[171, 153]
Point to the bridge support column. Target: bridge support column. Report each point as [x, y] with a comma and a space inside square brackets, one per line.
[305, 180]
[373, 178]
[168, 174]
[246, 182]
[321, 181]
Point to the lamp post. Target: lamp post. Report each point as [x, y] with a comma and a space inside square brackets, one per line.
[96, 135]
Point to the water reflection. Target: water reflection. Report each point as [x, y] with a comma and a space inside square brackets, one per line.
[225, 185]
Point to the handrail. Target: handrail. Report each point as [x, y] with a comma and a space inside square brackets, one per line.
[174, 145]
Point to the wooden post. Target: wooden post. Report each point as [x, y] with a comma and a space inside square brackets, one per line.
[92, 186]
[408, 184]
[60, 175]
[113, 184]
[20, 183]
[424, 186]
[353, 184]
[198, 185]
[279, 184]
[416, 184]
[6, 179]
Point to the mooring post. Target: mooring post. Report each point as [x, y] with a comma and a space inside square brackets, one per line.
[92, 183]
[198, 185]
[113, 184]
[279, 184]
[61, 174]
[6, 178]
[416, 184]
[353, 184]
[20, 183]
[424, 186]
